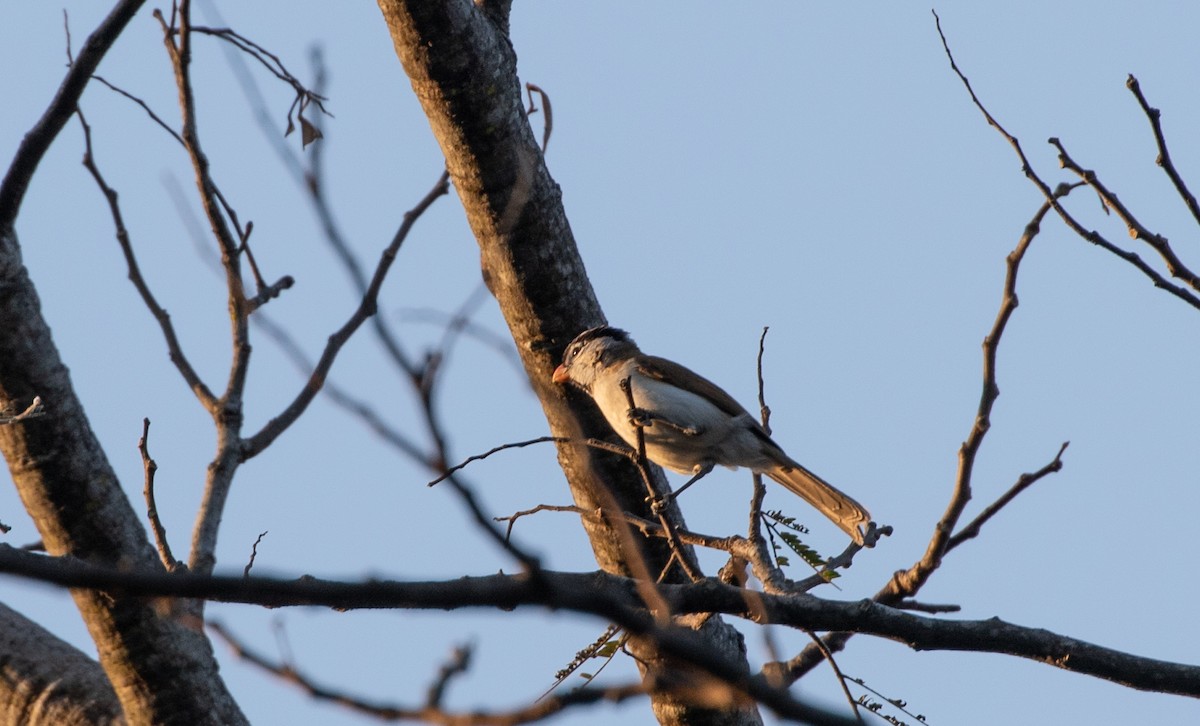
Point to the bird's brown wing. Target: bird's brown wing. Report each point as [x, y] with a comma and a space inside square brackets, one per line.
[687, 379]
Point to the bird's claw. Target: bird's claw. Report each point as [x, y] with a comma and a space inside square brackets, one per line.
[640, 417]
[658, 504]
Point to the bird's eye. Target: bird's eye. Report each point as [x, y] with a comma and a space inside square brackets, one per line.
[573, 351]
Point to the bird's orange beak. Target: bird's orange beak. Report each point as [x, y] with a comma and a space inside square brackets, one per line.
[560, 375]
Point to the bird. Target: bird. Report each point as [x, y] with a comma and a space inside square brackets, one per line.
[690, 424]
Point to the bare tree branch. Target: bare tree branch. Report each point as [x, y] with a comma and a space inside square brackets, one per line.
[616, 599]
[150, 468]
[255, 444]
[1175, 266]
[906, 583]
[65, 481]
[357, 407]
[161, 316]
[1051, 195]
[1023, 482]
[432, 711]
[1164, 157]
[37, 141]
[494, 450]
[227, 410]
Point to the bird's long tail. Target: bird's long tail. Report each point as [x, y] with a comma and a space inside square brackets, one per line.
[840, 508]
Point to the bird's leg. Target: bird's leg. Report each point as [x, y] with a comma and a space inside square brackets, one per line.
[641, 418]
[702, 471]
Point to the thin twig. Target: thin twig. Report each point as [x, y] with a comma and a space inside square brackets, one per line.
[1175, 266]
[67, 33]
[1052, 195]
[149, 468]
[759, 492]
[145, 107]
[904, 584]
[174, 347]
[1023, 482]
[495, 450]
[512, 518]
[253, 553]
[548, 114]
[837, 672]
[367, 307]
[764, 410]
[459, 662]
[1164, 156]
[538, 711]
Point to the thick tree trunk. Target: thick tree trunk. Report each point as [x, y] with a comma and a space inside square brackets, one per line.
[161, 666]
[463, 69]
[49, 683]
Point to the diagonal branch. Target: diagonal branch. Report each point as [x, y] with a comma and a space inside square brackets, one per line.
[906, 583]
[161, 316]
[462, 68]
[1023, 482]
[1175, 266]
[35, 143]
[1090, 235]
[357, 407]
[367, 307]
[1164, 156]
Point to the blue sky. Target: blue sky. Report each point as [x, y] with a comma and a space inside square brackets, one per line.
[812, 167]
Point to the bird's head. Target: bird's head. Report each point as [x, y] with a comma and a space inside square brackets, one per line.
[592, 351]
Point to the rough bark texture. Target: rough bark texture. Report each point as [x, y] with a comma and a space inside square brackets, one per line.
[160, 666]
[46, 682]
[463, 70]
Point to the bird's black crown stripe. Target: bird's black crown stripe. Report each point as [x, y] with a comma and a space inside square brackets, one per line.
[603, 331]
